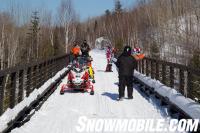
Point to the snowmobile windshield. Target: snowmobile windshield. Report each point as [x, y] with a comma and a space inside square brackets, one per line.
[78, 70]
[83, 60]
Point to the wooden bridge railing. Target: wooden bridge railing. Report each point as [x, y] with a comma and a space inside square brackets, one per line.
[20, 81]
[184, 79]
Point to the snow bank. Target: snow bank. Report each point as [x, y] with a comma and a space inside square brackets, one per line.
[11, 114]
[189, 106]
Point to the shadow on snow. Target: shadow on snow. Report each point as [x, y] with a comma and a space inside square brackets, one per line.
[112, 96]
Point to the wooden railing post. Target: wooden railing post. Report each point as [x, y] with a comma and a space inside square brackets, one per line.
[152, 70]
[46, 70]
[13, 90]
[35, 76]
[28, 82]
[2, 81]
[54, 67]
[171, 76]
[142, 66]
[57, 66]
[189, 84]
[157, 71]
[163, 74]
[39, 76]
[60, 65]
[147, 67]
[181, 81]
[50, 69]
[43, 72]
[66, 61]
[21, 85]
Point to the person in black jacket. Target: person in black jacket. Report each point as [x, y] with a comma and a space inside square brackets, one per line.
[126, 65]
[85, 48]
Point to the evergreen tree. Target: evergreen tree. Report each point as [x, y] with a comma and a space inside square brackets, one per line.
[118, 6]
[107, 13]
[33, 37]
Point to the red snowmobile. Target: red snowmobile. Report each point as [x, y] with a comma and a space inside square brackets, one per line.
[78, 79]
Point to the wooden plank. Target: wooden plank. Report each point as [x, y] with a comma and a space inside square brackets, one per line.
[152, 69]
[181, 81]
[147, 67]
[33, 76]
[163, 73]
[13, 90]
[171, 77]
[21, 86]
[189, 84]
[2, 81]
[39, 76]
[142, 66]
[28, 82]
[157, 71]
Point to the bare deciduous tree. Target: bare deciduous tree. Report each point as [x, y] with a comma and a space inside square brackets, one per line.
[66, 17]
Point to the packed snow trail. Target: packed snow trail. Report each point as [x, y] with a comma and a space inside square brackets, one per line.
[60, 113]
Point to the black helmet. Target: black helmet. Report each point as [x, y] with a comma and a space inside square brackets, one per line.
[127, 50]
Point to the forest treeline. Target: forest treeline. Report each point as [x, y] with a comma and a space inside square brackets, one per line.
[27, 35]
[165, 29]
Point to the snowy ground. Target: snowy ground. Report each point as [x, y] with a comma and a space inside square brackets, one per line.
[60, 113]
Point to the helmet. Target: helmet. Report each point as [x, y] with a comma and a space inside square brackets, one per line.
[137, 50]
[127, 50]
[75, 43]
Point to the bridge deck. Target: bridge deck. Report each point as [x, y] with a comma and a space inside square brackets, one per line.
[60, 113]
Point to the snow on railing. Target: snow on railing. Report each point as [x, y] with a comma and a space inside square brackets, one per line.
[152, 72]
[18, 82]
[187, 105]
[10, 115]
[184, 79]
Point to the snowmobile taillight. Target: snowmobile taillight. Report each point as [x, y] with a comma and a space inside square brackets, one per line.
[70, 76]
[85, 77]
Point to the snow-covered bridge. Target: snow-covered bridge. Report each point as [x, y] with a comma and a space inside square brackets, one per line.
[60, 113]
